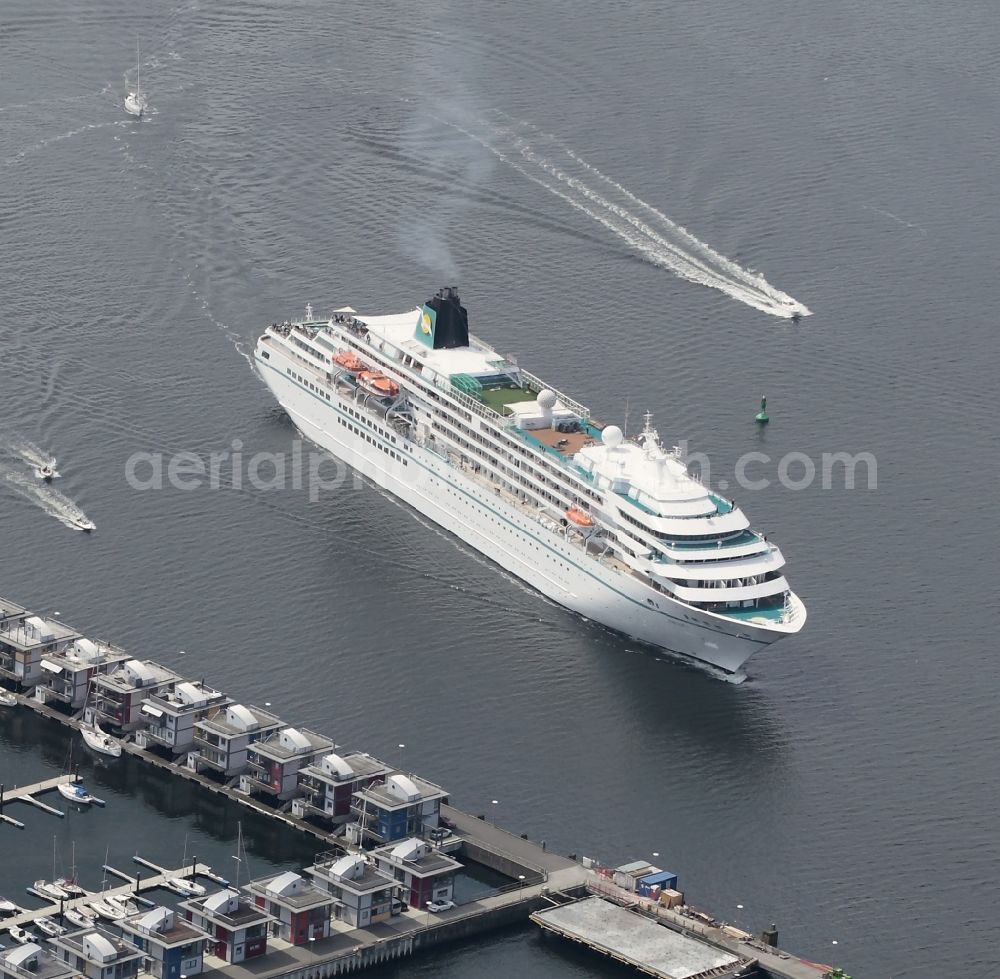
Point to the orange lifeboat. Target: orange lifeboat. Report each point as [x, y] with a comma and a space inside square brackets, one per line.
[378, 384]
[577, 516]
[349, 361]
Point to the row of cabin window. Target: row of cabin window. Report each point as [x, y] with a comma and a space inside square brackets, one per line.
[386, 435]
[538, 547]
[374, 441]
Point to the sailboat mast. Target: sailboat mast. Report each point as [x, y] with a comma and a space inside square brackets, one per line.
[137, 67]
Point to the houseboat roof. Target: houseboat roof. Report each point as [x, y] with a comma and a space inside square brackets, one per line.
[291, 890]
[400, 791]
[232, 720]
[163, 926]
[352, 872]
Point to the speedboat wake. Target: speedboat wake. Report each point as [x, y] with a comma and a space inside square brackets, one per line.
[548, 162]
[53, 502]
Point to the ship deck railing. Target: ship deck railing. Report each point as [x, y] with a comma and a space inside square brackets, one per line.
[538, 384]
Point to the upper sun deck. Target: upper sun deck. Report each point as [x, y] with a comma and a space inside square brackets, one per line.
[656, 482]
[398, 332]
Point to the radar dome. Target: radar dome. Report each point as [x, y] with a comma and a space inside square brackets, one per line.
[546, 399]
[612, 436]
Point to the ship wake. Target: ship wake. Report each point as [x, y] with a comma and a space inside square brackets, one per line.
[550, 163]
[42, 495]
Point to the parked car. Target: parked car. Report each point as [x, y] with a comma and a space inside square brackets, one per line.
[437, 906]
[440, 833]
[445, 821]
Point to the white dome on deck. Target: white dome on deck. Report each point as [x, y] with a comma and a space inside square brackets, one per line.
[612, 436]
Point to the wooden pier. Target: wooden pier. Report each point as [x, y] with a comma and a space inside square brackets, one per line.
[28, 793]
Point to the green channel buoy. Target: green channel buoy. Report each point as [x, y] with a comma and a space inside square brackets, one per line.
[761, 416]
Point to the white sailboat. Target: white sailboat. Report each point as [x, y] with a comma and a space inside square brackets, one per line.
[75, 792]
[100, 741]
[53, 891]
[135, 102]
[7, 699]
[102, 907]
[69, 884]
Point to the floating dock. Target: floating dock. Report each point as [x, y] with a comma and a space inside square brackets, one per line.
[133, 889]
[28, 793]
[633, 939]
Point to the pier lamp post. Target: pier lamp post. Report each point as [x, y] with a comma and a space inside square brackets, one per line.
[401, 747]
[495, 802]
[520, 886]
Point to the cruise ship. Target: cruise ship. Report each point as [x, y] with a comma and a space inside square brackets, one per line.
[614, 528]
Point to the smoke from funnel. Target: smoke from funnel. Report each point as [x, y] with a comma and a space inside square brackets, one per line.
[445, 93]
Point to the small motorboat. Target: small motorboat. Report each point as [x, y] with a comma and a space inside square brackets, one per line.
[7, 699]
[378, 384]
[50, 927]
[577, 516]
[349, 361]
[7, 908]
[78, 916]
[20, 935]
[47, 472]
[101, 741]
[52, 891]
[82, 523]
[105, 910]
[184, 887]
[75, 792]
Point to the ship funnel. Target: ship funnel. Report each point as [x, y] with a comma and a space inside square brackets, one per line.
[444, 321]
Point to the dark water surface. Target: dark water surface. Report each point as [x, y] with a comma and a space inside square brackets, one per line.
[364, 154]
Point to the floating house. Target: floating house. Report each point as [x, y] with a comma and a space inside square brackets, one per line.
[117, 698]
[400, 807]
[274, 762]
[328, 786]
[98, 954]
[300, 909]
[172, 947]
[26, 639]
[362, 894]
[425, 873]
[222, 736]
[236, 927]
[172, 714]
[31, 961]
[67, 675]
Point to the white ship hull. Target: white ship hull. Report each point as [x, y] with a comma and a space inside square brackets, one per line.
[542, 557]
